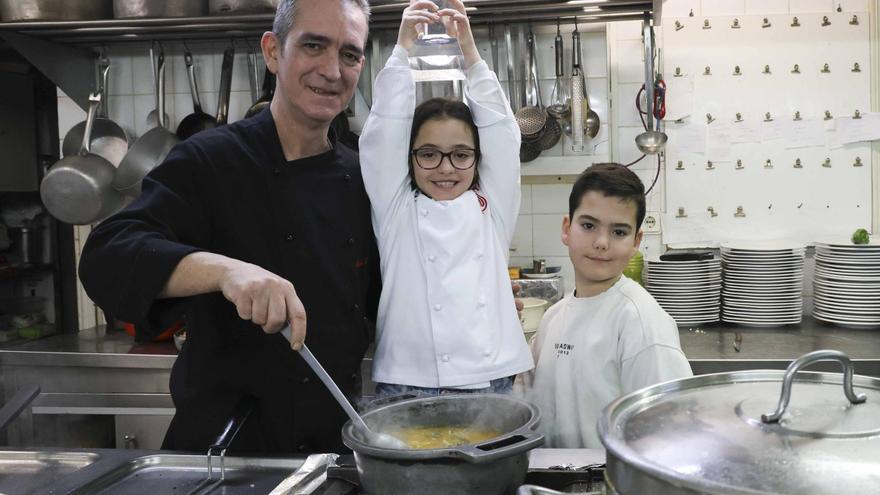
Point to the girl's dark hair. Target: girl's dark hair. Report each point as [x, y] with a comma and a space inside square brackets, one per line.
[611, 179]
[444, 108]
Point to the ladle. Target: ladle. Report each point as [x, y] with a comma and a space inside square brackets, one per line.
[652, 141]
[378, 439]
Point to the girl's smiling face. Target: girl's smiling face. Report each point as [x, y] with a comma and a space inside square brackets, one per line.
[444, 135]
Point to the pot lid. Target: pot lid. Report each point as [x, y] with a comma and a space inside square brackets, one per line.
[738, 433]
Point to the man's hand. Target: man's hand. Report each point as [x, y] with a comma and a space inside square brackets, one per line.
[418, 12]
[265, 299]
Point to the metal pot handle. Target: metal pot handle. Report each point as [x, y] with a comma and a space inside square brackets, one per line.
[804, 361]
[520, 440]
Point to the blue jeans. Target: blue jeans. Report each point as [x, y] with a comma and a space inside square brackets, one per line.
[497, 386]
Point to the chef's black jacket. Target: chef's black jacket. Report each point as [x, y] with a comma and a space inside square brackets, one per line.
[230, 191]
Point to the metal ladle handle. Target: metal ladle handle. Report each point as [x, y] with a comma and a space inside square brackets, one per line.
[328, 382]
[804, 361]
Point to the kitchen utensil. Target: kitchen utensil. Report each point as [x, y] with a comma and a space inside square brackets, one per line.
[198, 120]
[78, 189]
[533, 310]
[239, 7]
[108, 139]
[253, 76]
[551, 135]
[511, 73]
[493, 48]
[652, 141]
[266, 98]
[375, 438]
[150, 149]
[225, 85]
[579, 90]
[496, 466]
[748, 432]
[159, 85]
[136, 9]
[532, 117]
[560, 98]
[55, 10]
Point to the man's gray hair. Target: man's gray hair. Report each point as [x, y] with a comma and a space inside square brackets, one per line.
[285, 16]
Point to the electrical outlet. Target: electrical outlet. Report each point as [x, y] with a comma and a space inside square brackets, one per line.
[651, 224]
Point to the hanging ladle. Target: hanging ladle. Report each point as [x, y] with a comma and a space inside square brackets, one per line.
[652, 141]
[382, 440]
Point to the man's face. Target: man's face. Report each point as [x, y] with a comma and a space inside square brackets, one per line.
[318, 67]
[601, 238]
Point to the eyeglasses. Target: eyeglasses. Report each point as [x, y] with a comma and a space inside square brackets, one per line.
[431, 158]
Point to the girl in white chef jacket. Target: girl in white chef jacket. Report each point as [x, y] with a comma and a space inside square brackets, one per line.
[447, 320]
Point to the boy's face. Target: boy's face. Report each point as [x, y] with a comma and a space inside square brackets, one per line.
[601, 238]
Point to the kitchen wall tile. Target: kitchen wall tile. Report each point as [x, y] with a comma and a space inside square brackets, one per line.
[122, 112]
[520, 261]
[142, 75]
[525, 205]
[723, 7]
[550, 198]
[681, 8]
[240, 71]
[597, 91]
[855, 5]
[629, 30]
[546, 230]
[209, 102]
[627, 114]
[120, 77]
[630, 65]
[597, 146]
[239, 103]
[804, 6]
[143, 105]
[521, 245]
[69, 114]
[652, 245]
[626, 148]
[567, 271]
[763, 7]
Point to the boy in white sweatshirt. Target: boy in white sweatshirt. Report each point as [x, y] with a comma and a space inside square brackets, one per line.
[609, 337]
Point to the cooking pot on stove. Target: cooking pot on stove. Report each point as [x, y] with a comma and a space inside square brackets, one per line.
[748, 432]
[497, 466]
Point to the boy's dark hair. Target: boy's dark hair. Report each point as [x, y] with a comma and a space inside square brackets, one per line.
[611, 179]
[444, 108]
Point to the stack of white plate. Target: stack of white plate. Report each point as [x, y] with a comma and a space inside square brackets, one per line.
[763, 282]
[846, 286]
[690, 291]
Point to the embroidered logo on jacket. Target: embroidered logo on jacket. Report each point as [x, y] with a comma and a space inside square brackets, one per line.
[563, 349]
[484, 203]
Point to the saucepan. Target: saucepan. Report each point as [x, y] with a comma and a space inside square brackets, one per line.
[55, 10]
[496, 465]
[227, 7]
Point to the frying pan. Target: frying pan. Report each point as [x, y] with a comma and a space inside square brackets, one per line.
[266, 98]
[198, 120]
[108, 139]
[225, 85]
[158, 74]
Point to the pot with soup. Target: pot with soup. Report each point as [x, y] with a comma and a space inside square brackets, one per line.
[462, 444]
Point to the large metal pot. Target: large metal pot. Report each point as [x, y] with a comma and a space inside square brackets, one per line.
[497, 466]
[238, 7]
[735, 433]
[55, 10]
[130, 9]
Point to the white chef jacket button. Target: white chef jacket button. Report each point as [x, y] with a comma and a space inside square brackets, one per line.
[438, 307]
[445, 358]
[432, 258]
[424, 212]
[481, 303]
[487, 353]
[479, 254]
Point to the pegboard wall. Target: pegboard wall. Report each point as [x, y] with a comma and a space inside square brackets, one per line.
[768, 122]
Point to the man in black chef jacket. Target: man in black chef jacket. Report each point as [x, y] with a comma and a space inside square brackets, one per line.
[250, 225]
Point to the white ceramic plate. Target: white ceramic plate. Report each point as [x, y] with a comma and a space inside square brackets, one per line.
[846, 316]
[764, 245]
[846, 242]
[844, 322]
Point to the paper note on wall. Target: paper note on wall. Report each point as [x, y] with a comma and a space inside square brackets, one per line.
[852, 130]
[718, 142]
[687, 138]
[804, 134]
[679, 97]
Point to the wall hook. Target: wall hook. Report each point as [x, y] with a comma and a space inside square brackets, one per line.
[735, 24]
[800, 205]
[712, 212]
[766, 69]
[770, 206]
[707, 71]
[766, 23]
[796, 69]
[858, 162]
[827, 163]
[797, 115]
[855, 20]
[825, 21]
[740, 213]
[706, 24]
[768, 164]
[797, 163]
[826, 69]
[709, 118]
[710, 165]
[827, 115]
[857, 115]
[678, 26]
[737, 71]
[739, 117]
[795, 22]
[856, 67]
[692, 13]
[839, 8]
[767, 117]
[677, 72]
[739, 165]
[681, 213]
[680, 165]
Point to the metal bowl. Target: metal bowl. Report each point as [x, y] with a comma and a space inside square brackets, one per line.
[55, 10]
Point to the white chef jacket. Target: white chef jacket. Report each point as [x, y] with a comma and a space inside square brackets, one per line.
[446, 314]
[592, 350]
